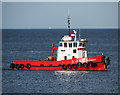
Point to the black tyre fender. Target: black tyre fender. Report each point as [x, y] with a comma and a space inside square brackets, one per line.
[21, 66]
[69, 66]
[42, 65]
[59, 65]
[28, 66]
[90, 63]
[74, 66]
[12, 65]
[94, 64]
[17, 66]
[51, 65]
[85, 64]
[64, 66]
[107, 60]
[79, 64]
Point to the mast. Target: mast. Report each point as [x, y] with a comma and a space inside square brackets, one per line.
[68, 23]
[79, 34]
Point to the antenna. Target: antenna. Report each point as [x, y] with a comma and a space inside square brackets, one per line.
[68, 23]
[79, 34]
[68, 11]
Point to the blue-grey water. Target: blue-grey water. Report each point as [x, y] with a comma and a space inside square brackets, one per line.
[35, 44]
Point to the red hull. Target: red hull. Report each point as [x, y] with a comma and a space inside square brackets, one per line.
[58, 65]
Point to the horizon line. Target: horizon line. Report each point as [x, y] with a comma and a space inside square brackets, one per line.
[71, 28]
[60, 1]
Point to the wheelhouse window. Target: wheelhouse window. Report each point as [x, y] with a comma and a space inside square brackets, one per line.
[74, 51]
[83, 45]
[60, 44]
[74, 44]
[65, 44]
[80, 44]
[70, 44]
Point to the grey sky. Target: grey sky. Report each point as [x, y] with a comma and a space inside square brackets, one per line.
[43, 15]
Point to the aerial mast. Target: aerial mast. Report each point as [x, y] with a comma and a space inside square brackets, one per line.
[68, 23]
[79, 34]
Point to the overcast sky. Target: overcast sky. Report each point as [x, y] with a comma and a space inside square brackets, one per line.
[43, 15]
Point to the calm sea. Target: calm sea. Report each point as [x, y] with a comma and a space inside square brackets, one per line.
[35, 44]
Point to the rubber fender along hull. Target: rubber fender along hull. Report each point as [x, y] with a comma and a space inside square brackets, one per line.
[87, 63]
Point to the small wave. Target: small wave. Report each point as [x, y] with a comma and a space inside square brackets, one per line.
[70, 72]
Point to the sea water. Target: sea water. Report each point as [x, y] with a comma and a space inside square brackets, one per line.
[35, 44]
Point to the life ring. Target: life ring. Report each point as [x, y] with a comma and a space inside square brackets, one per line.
[79, 64]
[85, 65]
[21, 66]
[69, 66]
[12, 66]
[90, 63]
[74, 66]
[64, 66]
[28, 66]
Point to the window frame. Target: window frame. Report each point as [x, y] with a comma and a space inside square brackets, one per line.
[74, 50]
[80, 44]
[70, 45]
[75, 44]
[61, 44]
[65, 43]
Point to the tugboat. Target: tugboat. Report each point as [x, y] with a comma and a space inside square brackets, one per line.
[71, 55]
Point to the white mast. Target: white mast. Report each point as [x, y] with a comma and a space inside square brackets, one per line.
[75, 34]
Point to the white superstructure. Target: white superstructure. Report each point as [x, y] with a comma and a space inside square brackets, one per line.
[70, 48]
